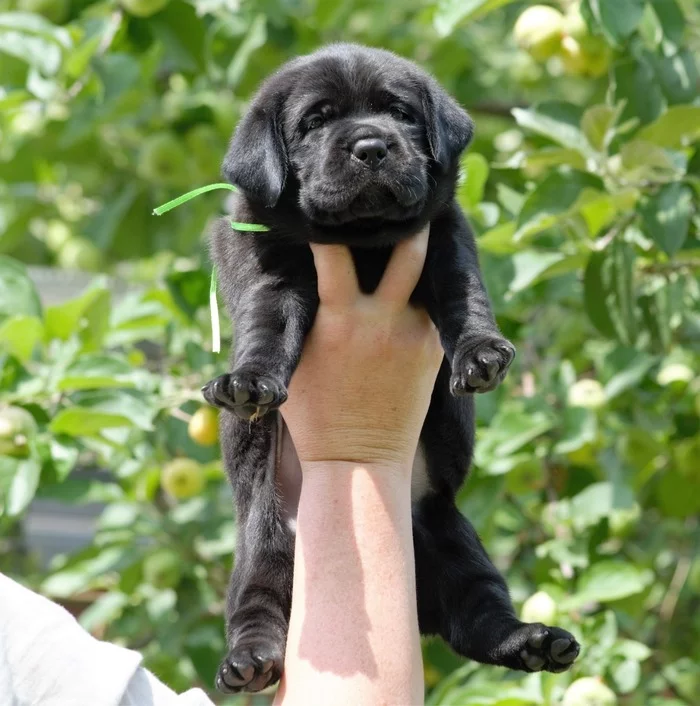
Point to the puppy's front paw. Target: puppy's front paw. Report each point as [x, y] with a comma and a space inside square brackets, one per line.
[250, 667]
[541, 648]
[480, 365]
[246, 393]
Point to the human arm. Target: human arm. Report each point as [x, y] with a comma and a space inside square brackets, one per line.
[356, 406]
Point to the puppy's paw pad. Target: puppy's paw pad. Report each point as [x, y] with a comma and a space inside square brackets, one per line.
[249, 394]
[480, 366]
[549, 649]
[249, 668]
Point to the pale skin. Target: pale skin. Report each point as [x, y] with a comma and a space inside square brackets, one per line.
[356, 406]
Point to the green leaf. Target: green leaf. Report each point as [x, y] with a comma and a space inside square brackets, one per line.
[499, 240]
[86, 316]
[475, 175]
[253, 40]
[666, 216]
[608, 580]
[556, 121]
[597, 125]
[133, 405]
[617, 20]
[85, 421]
[597, 501]
[19, 335]
[82, 569]
[671, 19]
[18, 296]
[623, 368]
[627, 675]
[33, 39]
[609, 294]
[104, 610]
[553, 197]
[634, 83]
[677, 75]
[24, 481]
[64, 456]
[678, 127]
[450, 13]
[533, 266]
[96, 371]
[189, 289]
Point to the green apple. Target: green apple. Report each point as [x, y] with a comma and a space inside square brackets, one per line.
[163, 160]
[204, 426]
[80, 254]
[589, 691]
[586, 393]
[17, 426]
[182, 478]
[539, 608]
[539, 31]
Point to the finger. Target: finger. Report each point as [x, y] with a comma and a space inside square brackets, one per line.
[404, 269]
[335, 268]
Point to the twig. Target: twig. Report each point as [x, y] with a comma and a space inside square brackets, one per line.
[678, 266]
[605, 240]
[179, 414]
[680, 575]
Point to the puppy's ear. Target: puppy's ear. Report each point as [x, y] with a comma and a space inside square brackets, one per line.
[449, 127]
[256, 161]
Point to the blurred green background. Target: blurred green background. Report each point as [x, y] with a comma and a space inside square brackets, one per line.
[582, 185]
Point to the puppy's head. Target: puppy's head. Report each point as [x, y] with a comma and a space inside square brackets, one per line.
[352, 137]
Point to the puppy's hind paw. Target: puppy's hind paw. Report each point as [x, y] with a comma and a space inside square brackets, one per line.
[249, 668]
[548, 649]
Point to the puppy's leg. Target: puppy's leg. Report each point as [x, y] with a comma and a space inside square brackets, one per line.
[270, 326]
[478, 353]
[462, 597]
[260, 590]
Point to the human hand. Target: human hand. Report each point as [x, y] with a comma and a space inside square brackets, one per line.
[366, 375]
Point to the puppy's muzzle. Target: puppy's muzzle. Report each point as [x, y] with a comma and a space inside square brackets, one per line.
[370, 152]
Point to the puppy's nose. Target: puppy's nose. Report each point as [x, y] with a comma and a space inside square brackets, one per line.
[370, 151]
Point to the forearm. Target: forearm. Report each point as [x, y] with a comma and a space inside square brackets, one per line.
[357, 644]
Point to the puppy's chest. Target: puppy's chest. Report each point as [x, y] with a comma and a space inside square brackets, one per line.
[370, 265]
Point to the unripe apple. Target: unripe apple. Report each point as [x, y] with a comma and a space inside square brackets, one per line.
[182, 478]
[17, 426]
[589, 691]
[204, 426]
[539, 608]
[539, 31]
[586, 393]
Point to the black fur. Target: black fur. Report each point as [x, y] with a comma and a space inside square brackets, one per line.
[292, 158]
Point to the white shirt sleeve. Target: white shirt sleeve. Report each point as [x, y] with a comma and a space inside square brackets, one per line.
[48, 659]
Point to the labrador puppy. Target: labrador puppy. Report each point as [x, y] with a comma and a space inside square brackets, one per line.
[356, 146]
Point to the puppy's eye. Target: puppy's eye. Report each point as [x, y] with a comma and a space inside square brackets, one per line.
[398, 113]
[315, 121]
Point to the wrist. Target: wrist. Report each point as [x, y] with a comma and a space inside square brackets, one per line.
[334, 468]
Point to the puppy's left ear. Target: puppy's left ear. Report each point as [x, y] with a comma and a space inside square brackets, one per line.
[448, 126]
[256, 161]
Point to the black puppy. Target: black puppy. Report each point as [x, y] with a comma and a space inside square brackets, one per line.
[356, 146]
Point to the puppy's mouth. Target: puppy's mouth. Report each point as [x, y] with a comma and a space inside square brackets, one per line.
[395, 200]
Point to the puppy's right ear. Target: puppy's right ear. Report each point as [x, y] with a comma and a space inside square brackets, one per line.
[256, 161]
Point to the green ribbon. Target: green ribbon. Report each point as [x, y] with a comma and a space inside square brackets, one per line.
[236, 225]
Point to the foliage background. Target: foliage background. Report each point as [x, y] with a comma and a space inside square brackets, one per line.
[584, 194]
